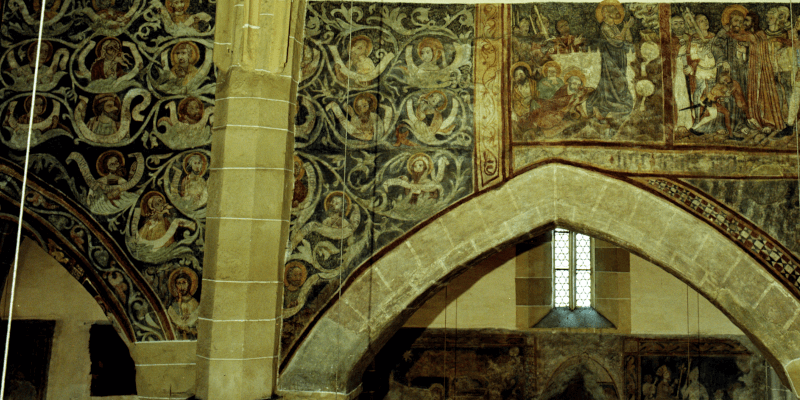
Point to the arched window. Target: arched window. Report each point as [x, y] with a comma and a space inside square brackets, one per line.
[573, 262]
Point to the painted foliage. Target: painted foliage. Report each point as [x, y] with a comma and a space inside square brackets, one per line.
[121, 128]
[384, 137]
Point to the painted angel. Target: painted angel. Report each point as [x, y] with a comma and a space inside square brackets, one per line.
[44, 126]
[105, 15]
[427, 120]
[113, 69]
[433, 71]
[48, 76]
[190, 189]
[423, 183]
[175, 17]
[111, 121]
[159, 227]
[180, 72]
[339, 223]
[187, 125]
[362, 121]
[359, 70]
[109, 193]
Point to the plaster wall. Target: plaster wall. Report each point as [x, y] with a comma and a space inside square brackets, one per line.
[46, 291]
[483, 297]
[662, 304]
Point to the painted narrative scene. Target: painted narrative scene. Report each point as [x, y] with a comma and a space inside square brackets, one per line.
[696, 74]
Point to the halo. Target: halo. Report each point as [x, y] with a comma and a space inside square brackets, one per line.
[373, 101]
[186, 162]
[444, 99]
[549, 64]
[524, 65]
[365, 38]
[102, 98]
[434, 44]
[195, 52]
[99, 47]
[32, 49]
[598, 12]
[146, 211]
[299, 171]
[577, 73]
[185, 102]
[331, 195]
[100, 164]
[289, 267]
[28, 104]
[173, 277]
[426, 159]
[726, 13]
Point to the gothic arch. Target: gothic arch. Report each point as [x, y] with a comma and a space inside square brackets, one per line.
[80, 244]
[379, 300]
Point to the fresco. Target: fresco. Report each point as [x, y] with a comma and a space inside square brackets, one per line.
[121, 132]
[658, 369]
[404, 110]
[683, 74]
[586, 71]
[384, 138]
[480, 364]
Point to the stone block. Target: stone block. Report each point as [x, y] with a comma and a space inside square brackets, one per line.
[164, 352]
[430, 243]
[261, 112]
[242, 147]
[612, 285]
[164, 380]
[746, 282]
[611, 259]
[239, 193]
[534, 291]
[528, 316]
[245, 250]
[234, 300]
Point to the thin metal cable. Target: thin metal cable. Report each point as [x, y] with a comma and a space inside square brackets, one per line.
[22, 196]
[343, 215]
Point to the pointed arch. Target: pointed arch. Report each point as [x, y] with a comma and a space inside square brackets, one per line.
[79, 243]
[378, 301]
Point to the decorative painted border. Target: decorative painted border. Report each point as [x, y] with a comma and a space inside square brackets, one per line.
[490, 53]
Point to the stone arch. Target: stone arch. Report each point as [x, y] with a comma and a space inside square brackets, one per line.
[382, 297]
[592, 373]
[75, 239]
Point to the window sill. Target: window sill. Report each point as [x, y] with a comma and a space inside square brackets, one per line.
[584, 317]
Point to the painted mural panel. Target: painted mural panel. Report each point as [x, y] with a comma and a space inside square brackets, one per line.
[384, 139]
[121, 127]
[734, 74]
[494, 364]
[586, 71]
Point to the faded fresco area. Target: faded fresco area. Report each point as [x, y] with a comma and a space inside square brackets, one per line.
[469, 364]
[734, 74]
[694, 74]
[586, 71]
[120, 141]
[384, 138]
[403, 110]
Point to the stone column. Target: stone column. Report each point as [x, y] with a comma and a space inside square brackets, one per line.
[250, 190]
